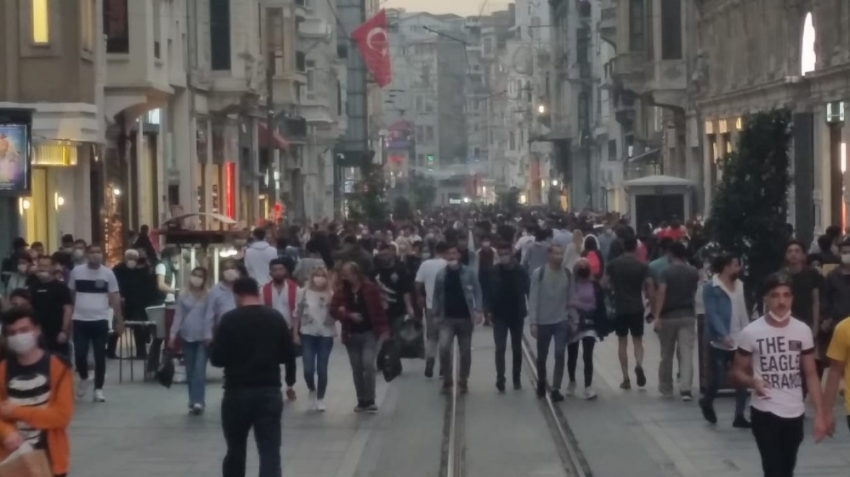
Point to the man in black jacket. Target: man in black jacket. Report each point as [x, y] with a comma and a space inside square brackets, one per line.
[251, 343]
[505, 305]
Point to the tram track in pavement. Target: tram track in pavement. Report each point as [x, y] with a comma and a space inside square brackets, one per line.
[575, 464]
[453, 450]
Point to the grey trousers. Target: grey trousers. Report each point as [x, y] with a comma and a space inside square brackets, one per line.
[676, 334]
[362, 351]
[432, 335]
[462, 329]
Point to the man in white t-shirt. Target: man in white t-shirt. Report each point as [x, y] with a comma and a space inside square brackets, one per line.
[259, 256]
[775, 353]
[425, 278]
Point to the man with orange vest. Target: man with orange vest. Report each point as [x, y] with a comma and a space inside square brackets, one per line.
[280, 295]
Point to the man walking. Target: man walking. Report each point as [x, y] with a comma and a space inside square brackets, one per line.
[251, 343]
[505, 306]
[425, 278]
[548, 313]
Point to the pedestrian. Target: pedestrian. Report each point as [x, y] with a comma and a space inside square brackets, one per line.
[258, 257]
[674, 313]
[317, 329]
[807, 283]
[588, 304]
[36, 393]
[426, 276]
[458, 307]
[193, 331]
[548, 314]
[251, 343]
[135, 283]
[279, 294]
[53, 307]
[629, 281]
[358, 305]
[505, 306]
[839, 357]
[396, 284]
[593, 256]
[775, 355]
[21, 276]
[166, 282]
[220, 299]
[725, 317]
[95, 291]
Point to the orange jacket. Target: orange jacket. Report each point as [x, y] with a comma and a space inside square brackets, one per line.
[54, 418]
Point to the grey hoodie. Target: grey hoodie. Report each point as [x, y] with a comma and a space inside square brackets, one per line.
[550, 297]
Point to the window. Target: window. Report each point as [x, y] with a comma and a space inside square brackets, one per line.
[429, 106]
[637, 40]
[40, 22]
[511, 141]
[671, 29]
[429, 133]
[219, 34]
[275, 27]
[116, 26]
[488, 46]
[583, 110]
[87, 25]
[420, 136]
[310, 79]
[339, 104]
[420, 158]
[157, 28]
[583, 45]
[419, 106]
[612, 149]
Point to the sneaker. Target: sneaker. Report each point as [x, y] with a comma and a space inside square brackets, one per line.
[462, 387]
[361, 407]
[708, 412]
[320, 405]
[571, 389]
[589, 393]
[98, 396]
[556, 396]
[372, 408]
[541, 390]
[290, 394]
[741, 422]
[447, 389]
[83, 388]
[686, 396]
[313, 401]
[626, 384]
[500, 384]
[196, 409]
[429, 368]
[641, 376]
[517, 383]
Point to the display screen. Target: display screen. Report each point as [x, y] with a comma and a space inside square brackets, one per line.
[14, 157]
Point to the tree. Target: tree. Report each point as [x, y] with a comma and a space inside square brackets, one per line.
[423, 191]
[749, 212]
[508, 200]
[368, 204]
[402, 209]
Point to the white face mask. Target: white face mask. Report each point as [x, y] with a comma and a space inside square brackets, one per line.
[22, 268]
[131, 264]
[845, 258]
[781, 319]
[485, 244]
[22, 342]
[196, 281]
[451, 263]
[230, 275]
[505, 259]
[320, 282]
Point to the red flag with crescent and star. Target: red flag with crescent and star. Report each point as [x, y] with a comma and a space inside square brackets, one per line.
[373, 42]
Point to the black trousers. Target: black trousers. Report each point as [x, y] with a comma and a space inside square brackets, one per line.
[259, 409]
[587, 345]
[94, 334]
[501, 330]
[290, 372]
[778, 440]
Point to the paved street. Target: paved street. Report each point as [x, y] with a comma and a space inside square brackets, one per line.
[144, 430]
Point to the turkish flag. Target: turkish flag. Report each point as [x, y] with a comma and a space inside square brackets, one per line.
[374, 45]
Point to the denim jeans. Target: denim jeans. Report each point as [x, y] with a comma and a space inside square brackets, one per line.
[501, 329]
[719, 360]
[677, 336]
[316, 352]
[362, 352]
[462, 329]
[195, 357]
[96, 334]
[545, 334]
[432, 335]
[260, 409]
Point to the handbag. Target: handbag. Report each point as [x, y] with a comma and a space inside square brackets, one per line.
[26, 462]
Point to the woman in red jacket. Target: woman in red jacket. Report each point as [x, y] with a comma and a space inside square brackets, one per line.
[359, 306]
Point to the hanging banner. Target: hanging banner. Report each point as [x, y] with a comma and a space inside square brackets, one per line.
[373, 42]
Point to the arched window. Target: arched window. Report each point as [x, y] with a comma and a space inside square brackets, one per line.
[808, 58]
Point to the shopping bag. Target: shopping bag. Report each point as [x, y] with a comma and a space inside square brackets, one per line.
[388, 361]
[165, 373]
[26, 462]
[411, 340]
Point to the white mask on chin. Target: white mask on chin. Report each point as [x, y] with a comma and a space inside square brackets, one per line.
[781, 319]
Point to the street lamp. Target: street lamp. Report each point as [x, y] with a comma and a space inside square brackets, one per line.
[554, 182]
[541, 109]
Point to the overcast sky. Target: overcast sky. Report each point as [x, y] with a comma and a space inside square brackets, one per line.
[459, 7]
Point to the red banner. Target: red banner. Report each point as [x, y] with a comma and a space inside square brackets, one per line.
[373, 42]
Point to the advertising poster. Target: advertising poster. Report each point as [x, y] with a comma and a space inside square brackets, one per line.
[14, 158]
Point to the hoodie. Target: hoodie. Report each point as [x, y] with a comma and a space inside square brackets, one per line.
[536, 256]
[257, 258]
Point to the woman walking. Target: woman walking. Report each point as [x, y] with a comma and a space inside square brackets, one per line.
[194, 330]
[590, 315]
[317, 328]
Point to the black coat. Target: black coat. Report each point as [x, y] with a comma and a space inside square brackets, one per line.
[507, 301]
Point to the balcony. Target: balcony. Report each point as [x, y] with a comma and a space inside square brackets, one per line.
[315, 29]
[316, 108]
[629, 69]
[668, 82]
[294, 129]
[608, 24]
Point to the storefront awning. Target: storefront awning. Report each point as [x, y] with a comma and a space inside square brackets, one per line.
[279, 141]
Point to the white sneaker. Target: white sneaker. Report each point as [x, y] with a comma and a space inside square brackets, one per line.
[571, 389]
[196, 409]
[83, 388]
[314, 406]
[589, 393]
[98, 396]
[320, 405]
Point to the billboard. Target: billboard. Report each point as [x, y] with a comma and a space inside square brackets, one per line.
[15, 158]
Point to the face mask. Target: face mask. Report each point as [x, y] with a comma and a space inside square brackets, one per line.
[845, 258]
[320, 282]
[131, 264]
[196, 281]
[486, 244]
[230, 275]
[451, 263]
[96, 258]
[22, 268]
[43, 276]
[22, 342]
[175, 265]
[505, 259]
[77, 254]
[781, 319]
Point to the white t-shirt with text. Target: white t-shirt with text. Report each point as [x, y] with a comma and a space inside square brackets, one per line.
[427, 275]
[777, 356]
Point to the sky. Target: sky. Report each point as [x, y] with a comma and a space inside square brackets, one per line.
[459, 7]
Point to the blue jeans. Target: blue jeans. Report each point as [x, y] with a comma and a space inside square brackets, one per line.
[195, 357]
[720, 361]
[316, 352]
[559, 333]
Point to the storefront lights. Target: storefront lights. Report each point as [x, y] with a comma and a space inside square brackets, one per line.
[116, 191]
[58, 200]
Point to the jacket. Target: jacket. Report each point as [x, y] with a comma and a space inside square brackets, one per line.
[471, 291]
[542, 312]
[291, 288]
[495, 292]
[257, 259]
[835, 296]
[54, 418]
[374, 305]
[718, 310]
[536, 256]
